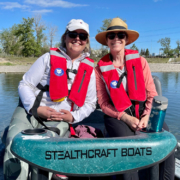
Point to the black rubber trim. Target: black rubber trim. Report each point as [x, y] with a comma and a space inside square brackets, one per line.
[34, 131]
[135, 81]
[121, 78]
[82, 81]
[93, 175]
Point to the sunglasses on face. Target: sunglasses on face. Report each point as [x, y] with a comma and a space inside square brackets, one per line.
[82, 36]
[112, 35]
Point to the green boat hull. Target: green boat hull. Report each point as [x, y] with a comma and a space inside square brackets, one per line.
[93, 157]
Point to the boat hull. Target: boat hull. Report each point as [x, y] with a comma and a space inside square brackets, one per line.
[94, 157]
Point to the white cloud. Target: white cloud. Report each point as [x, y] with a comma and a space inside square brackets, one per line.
[157, 0]
[12, 5]
[54, 3]
[42, 11]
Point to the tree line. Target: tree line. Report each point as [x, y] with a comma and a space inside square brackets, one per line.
[144, 52]
[165, 48]
[28, 38]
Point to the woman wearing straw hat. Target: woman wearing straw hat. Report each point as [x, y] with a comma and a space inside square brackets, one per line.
[125, 87]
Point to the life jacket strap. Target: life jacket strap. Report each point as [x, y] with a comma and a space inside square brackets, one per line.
[72, 71]
[72, 131]
[36, 105]
[121, 78]
[137, 109]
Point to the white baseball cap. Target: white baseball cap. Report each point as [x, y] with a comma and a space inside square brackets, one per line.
[75, 24]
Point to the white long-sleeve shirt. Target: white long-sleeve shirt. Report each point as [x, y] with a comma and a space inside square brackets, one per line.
[40, 73]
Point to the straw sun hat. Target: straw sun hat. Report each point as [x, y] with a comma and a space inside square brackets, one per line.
[117, 25]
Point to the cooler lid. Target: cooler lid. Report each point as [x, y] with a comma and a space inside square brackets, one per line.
[160, 100]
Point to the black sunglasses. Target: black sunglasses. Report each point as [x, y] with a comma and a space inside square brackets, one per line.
[112, 35]
[74, 34]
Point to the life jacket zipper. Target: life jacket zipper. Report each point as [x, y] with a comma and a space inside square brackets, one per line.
[82, 80]
[135, 82]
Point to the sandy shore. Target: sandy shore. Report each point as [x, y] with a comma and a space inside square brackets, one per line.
[155, 67]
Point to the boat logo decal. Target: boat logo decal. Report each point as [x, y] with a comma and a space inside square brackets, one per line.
[59, 72]
[97, 153]
[113, 84]
[35, 137]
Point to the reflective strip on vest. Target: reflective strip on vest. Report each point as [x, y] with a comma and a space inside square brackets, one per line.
[86, 61]
[132, 56]
[107, 68]
[55, 53]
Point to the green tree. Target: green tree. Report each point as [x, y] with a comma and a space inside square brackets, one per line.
[106, 23]
[165, 43]
[171, 53]
[10, 42]
[142, 52]
[177, 50]
[25, 31]
[133, 47]
[147, 52]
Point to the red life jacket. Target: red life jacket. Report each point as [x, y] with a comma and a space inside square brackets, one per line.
[58, 86]
[135, 81]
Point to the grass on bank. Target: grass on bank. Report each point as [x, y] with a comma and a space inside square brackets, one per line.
[6, 64]
[157, 60]
[163, 60]
[16, 60]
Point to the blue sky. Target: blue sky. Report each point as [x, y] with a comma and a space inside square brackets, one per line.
[153, 19]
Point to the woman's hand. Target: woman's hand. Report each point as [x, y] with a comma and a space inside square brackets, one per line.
[64, 115]
[46, 112]
[133, 122]
[144, 121]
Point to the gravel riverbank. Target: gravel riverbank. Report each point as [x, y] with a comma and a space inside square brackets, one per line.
[155, 67]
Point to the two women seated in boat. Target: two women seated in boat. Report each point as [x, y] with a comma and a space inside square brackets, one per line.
[60, 90]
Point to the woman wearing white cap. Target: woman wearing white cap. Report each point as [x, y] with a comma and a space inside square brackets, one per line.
[125, 88]
[59, 86]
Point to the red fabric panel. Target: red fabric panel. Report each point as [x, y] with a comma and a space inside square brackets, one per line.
[58, 87]
[137, 109]
[139, 93]
[72, 131]
[77, 94]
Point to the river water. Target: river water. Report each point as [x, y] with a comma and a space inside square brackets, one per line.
[170, 83]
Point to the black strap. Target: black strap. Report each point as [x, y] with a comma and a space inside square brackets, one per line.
[115, 27]
[121, 78]
[72, 71]
[36, 105]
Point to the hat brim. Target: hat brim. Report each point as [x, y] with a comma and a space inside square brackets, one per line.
[132, 36]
